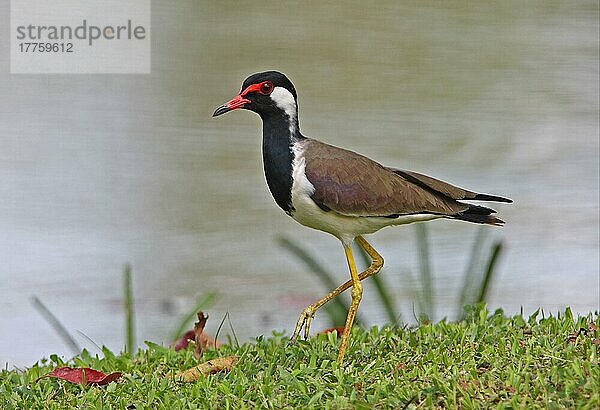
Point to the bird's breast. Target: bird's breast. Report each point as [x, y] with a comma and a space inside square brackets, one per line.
[308, 213]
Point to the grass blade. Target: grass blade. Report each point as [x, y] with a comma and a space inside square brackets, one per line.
[468, 291]
[386, 299]
[426, 301]
[489, 271]
[56, 325]
[129, 310]
[309, 261]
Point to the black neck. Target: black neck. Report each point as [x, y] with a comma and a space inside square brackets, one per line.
[278, 157]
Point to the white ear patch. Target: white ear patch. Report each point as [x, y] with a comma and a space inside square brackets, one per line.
[285, 100]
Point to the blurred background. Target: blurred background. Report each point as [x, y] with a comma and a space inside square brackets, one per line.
[100, 170]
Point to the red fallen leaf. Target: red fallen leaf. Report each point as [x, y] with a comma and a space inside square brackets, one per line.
[184, 341]
[82, 375]
[338, 329]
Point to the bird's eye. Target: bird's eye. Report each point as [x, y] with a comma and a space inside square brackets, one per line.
[266, 88]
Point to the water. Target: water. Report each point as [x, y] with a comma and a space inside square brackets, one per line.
[96, 171]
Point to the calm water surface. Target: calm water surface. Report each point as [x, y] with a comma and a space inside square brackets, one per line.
[100, 170]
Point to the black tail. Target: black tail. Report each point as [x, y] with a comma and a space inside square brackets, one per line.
[479, 215]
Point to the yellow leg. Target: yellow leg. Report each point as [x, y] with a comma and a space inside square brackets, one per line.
[356, 297]
[309, 312]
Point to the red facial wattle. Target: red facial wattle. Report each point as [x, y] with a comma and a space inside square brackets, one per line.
[264, 88]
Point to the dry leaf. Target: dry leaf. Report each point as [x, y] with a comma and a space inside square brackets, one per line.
[82, 375]
[220, 364]
[201, 339]
[201, 342]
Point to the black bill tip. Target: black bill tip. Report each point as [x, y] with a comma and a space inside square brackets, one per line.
[221, 110]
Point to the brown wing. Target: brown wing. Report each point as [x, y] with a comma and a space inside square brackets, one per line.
[354, 185]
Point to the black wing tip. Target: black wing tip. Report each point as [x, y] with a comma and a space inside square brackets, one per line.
[492, 220]
[479, 215]
[480, 219]
[492, 198]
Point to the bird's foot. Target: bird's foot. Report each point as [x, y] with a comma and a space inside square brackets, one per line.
[303, 321]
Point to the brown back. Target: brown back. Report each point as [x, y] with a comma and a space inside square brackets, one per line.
[354, 185]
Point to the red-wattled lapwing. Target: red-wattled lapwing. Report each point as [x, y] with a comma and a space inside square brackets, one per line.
[339, 191]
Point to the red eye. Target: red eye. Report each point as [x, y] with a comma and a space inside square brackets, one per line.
[266, 88]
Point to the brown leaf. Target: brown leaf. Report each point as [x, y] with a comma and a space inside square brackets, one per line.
[592, 327]
[201, 342]
[198, 336]
[220, 364]
[82, 375]
[208, 342]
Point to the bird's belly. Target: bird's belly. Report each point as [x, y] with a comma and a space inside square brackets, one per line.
[346, 228]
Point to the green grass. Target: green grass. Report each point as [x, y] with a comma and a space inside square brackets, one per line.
[486, 360]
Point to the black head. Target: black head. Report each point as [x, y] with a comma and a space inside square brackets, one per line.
[267, 93]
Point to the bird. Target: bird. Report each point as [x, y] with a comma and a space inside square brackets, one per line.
[342, 192]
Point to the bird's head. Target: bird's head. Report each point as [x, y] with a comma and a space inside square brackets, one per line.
[268, 93]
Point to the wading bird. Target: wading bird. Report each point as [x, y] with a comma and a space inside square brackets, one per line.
[341, 192]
